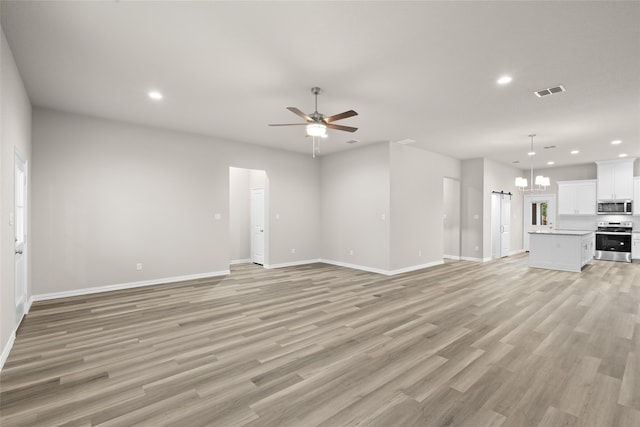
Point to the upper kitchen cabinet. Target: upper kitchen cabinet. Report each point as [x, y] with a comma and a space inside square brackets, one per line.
[577, 197]
[615, 179]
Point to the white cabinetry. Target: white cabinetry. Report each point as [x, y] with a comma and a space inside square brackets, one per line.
[635, 246]
[577, 197]
[615, 179]
[636, 195]
[561, 250]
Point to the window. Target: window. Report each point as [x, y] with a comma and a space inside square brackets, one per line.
[539, 213]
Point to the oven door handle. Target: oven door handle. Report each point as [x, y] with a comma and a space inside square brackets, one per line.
[614, 233]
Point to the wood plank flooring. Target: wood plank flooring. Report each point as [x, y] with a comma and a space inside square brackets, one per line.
[462, 344]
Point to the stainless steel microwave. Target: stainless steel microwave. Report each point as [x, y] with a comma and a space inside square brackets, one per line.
[615, 207]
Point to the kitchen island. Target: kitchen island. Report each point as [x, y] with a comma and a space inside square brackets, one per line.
[566, 250]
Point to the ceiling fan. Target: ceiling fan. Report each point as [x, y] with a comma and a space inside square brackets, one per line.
[316, 122]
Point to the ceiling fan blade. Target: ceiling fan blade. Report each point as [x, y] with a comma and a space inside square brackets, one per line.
[340, 127]
[288, 124]
[340, 116]
[300, 113]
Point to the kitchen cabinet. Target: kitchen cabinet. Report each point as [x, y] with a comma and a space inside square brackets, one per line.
[635, 246]
[577, 197]
[566, 250]
[615, 179]
[636, 195]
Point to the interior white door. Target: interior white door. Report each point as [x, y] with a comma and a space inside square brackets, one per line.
[495, 225]
[19, 221]
[500, 224]
[257, 226]
[539, 214]
[505, 223]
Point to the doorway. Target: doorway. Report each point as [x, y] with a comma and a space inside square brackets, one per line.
[451, 218]
[248, 198]
[20, 235]
[539, 214]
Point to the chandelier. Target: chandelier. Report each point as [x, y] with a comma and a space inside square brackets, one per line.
[541, 182]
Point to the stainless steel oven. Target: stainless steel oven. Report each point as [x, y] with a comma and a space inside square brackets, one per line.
[613, 241]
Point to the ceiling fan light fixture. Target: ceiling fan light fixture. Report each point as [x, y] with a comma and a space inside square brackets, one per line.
[317, 129]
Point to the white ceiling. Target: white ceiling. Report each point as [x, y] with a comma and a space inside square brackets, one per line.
[420, 70]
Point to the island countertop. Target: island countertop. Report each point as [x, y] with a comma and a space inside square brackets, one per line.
[564, 232]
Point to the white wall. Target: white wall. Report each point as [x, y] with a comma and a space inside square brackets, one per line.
[110, 194]
[354, 199]
[472, 209]
[15, 135]
[417, 205]
[239, 214]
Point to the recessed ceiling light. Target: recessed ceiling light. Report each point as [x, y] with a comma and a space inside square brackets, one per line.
[155, 95]
[504, 80]
[575, 151]
[551, 163]
[531, 153]
[622, 155]
[616, 142]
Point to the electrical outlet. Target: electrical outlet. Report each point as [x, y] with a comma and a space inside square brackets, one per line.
[293, 250]
[419, 253]
[351, 252]
[139, 266]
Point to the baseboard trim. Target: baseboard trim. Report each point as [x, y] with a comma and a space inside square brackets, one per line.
[355, 266]
[7, 348]
[131, 285]
[240, 261]
[457, 257]
[379, 270]
[466, 258]
[292, 264]
[414, 268]
[518, 251]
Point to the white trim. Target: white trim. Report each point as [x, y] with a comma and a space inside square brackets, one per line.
[451, 256]
[517, 251]
[240, 261]
[7, 349]
[379, 270]
[355, 266]
[107, 288]
[293, 263]
[466, 258]
[27, 307]
[414, 268]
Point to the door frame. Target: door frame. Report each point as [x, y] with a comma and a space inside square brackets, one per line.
[252, 225]
[552, 212]
[21, 290]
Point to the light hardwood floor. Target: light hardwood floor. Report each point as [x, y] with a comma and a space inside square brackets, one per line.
[462, 344]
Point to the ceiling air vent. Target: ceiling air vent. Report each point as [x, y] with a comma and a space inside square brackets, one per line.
[352, 141]
[549, 91]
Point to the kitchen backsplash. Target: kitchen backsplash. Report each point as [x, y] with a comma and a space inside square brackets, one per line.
[590, 222]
